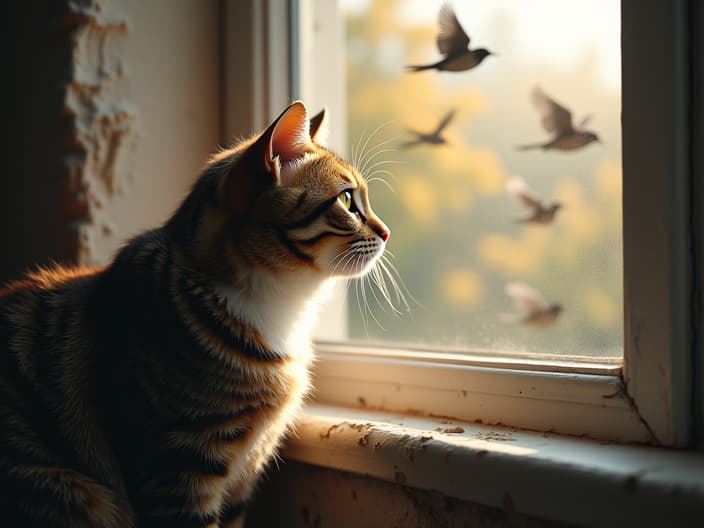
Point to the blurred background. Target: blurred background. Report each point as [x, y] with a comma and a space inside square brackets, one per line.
[455, 241]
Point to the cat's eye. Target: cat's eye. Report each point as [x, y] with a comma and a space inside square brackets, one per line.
[345, 198]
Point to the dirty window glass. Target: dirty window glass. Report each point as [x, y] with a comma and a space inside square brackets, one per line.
[497, 165]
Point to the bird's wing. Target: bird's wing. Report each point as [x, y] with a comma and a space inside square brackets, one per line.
[445, 121]
[409, 144]
[525, 297]
[451, 37]
[518, 188]
[555, 118]
[584, 121]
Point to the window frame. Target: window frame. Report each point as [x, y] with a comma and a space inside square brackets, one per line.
[658, 324]
[649, 399]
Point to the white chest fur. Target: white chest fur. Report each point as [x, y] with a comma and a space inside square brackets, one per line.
[282, 307]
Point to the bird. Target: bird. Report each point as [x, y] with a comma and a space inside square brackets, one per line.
[453, 43]
[541, 213]
[533, 310]
[557, 120]
[432, 138]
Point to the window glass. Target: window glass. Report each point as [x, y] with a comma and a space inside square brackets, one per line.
[476, 277]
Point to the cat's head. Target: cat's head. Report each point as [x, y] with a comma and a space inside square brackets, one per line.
[283, 202]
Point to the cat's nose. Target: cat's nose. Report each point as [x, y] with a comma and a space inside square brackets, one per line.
[384, 234]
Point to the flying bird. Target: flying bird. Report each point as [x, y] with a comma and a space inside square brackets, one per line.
[432, 138]
[533, 310]
[541, 212]
[557, 120]
[453, 43]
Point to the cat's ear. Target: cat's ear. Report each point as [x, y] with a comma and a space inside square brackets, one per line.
[319, 127]
[286, 139]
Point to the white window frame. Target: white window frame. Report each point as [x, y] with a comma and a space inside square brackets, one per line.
[651, 397]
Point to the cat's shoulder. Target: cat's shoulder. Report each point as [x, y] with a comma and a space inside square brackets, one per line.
[57, 277]
[49, 278]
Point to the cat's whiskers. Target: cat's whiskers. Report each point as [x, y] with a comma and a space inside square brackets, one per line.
[338, 257]
[371, 156]
[350, 261]
[345, 259]
[382, 180]
[384, 273]
[359, 154]
[366, 301]
[399, 286]
[356, 149]
[371, 280]
[382, 276]
[358, 285]
[381, 171]
[382, 162]
[373, 286]
[380, 282]
[362, 313]
[377, 151]
[362, 158]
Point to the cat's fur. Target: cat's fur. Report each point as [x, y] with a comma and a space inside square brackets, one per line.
[153, 391]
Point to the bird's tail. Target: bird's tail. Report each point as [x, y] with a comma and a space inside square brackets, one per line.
[417, 68]
[532, 146]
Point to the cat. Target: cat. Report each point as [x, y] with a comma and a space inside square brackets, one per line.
[152, 392]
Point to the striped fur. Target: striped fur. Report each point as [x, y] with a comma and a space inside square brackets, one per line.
[153, 392]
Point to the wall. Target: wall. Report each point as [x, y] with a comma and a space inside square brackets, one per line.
[114, 107]
[303, 496]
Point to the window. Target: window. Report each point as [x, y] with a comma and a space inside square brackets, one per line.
[456, 241]
[648, 398]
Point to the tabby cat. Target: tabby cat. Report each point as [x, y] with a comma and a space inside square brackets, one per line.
[152, 392]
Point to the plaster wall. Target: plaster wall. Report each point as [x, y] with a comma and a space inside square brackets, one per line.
[299, 495]
[115, 105]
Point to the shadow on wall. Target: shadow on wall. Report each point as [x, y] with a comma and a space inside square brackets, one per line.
[312, 497]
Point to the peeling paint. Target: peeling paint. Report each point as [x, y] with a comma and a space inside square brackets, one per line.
[450, 430]
[101, 140]
[495, 435]
[326, 434]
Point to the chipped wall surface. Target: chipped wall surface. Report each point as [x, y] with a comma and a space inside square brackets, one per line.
[100, 144]
[146, 87]
[308, 496]
[115, 105]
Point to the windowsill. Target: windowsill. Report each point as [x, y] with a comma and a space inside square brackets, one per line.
[555, 477]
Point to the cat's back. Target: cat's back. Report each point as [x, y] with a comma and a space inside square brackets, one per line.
[50, 436]
[40, 305]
